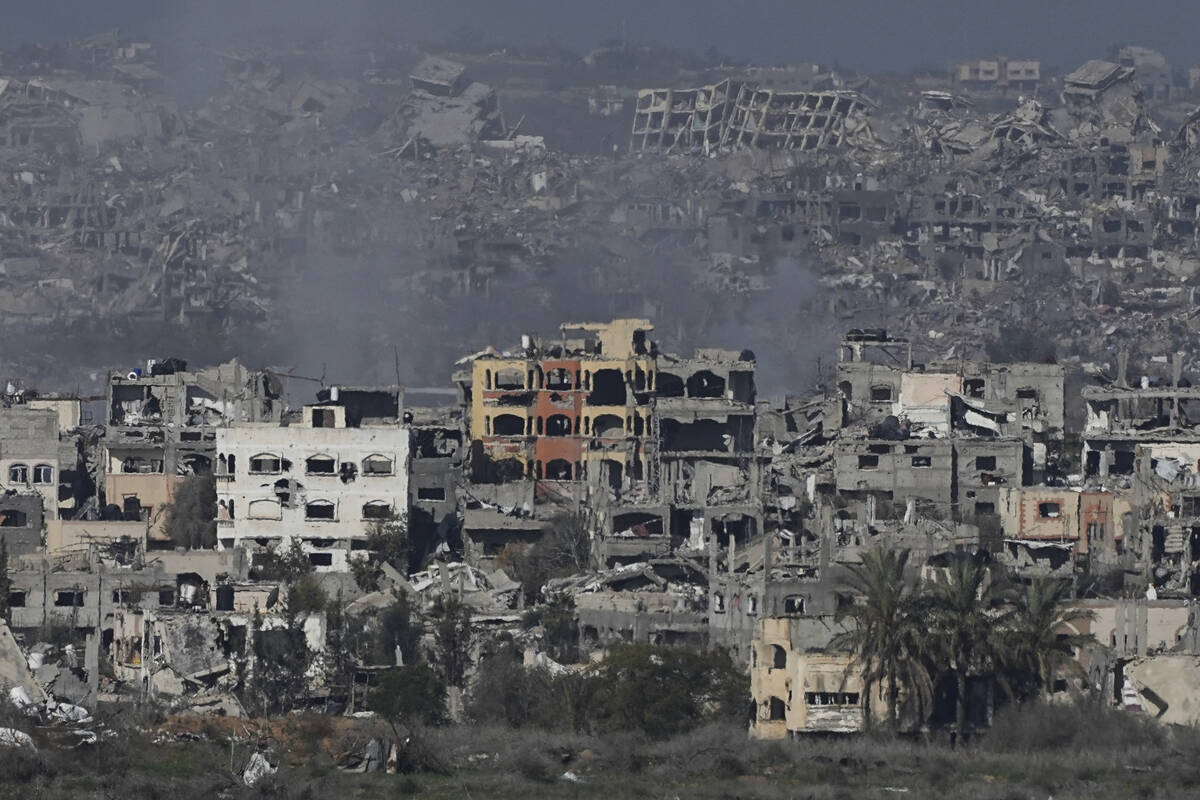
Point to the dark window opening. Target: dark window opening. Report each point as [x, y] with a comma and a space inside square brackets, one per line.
[377, 465]
[881, 394]
[431, 493]
[922, 461]
[323, 418]
[1049, 510]
[608, 388]
[319, 510]
[985, 462]
[374, 511]
[778, 657]
[777, 710]
[12, 518]
[321, 559]
[508, 425]
[793, 604]
[166, 597]
[16, 599]
[68, 598]
[558, 425]
[868, 462]
[265, 465]
[320, 465]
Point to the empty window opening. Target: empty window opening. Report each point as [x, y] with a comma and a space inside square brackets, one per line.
[608, 426]
[508, 425]
[1049, 510]
[265, 464]
[668, 385]
[985, 462]
[558, 470]
[706, 384]
[376, 509]
[776, 709]
[377, 465]
[558, 378]
[43, 473]
[437, 493]
[323, 418]
[558, 425]
[320, 465]
[608, 388]
[68, 598]
[16, 599]
[321, 559]
[793, 604]
[868, 462]
[319, 510]
[509, 379]
[881, 394]
[922, 461]
[18, 473]
[12, 518]
[982, 508]
[778, 657]
[166, 597]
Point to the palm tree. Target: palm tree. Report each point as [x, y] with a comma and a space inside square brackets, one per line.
[968, 620]
[1039, 646]
[886, 631]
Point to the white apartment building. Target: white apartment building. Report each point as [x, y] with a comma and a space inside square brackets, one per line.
[319, 482]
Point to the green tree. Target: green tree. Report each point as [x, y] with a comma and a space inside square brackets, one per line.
[191, 514]
[388, 542]
[451, 640]
[663, 691]
[1038, 647]
[561, 625]
[5, 582]
[886, 634]
[410, 695]
[565, 548]
[398, 629]
[968, 616]
[281, 655]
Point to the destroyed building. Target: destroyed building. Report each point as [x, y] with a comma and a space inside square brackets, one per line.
[162, 426]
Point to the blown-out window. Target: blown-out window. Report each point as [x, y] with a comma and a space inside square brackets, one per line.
[265, 464]
[377, 465]
[18, 473]
[320, 510]
[376, 509]
[43, 473]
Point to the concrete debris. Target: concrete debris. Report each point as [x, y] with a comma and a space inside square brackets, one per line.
[11, 737]
[256, 769]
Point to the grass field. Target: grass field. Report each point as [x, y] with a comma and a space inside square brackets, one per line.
[1037, 752]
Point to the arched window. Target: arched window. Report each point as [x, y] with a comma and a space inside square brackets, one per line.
[320, 510]
[778, 657]
[510, 379]
[718, 602]
[508, 425]
[263, 509]
[608, 426]
[706, 384]
[18, 473]
[265, 464]
[558, 378]
[558, 470]
[43, 473]
[320, 464]
[376, 509]
[558, 425]
[377, 465]
[776, 710]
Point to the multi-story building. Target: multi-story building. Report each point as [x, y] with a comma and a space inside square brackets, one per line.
[162, 426]
[321, 481]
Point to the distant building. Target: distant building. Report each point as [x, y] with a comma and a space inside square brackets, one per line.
[999, 73]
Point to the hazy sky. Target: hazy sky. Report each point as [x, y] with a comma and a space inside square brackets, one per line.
[863, 34]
